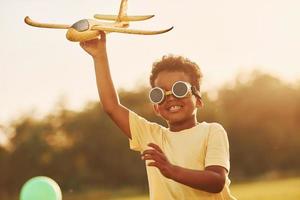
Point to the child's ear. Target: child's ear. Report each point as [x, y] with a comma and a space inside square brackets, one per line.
[156, 110]
[199, 102]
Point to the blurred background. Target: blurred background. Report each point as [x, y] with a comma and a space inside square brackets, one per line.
[52, 124]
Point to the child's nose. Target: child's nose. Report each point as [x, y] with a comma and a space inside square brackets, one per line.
[170, 97]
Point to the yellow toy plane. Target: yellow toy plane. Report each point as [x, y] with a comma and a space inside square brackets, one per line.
[87, 29]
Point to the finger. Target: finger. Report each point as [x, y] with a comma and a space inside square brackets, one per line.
[82, 44]
[102, 36]
[91, 41]
[156, 157]
[153, 157]
[87, 43]
[149, 151]
[155, 146]
[154, 164]
[154, 152]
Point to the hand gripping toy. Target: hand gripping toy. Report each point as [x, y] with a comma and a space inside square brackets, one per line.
[87, 29]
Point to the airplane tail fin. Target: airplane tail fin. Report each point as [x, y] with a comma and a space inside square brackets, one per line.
[123, 11]
[122, 15]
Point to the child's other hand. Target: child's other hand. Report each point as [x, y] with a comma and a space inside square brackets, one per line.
[159, 160]
[95, 47]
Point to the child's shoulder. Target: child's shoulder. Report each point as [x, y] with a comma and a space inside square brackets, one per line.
[217, 131]
[213, 127]
[216, 125]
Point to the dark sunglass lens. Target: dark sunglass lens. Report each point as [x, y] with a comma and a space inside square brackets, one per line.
[156, 95]
[180, 89]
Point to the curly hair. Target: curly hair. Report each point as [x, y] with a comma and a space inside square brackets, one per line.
[173, 63]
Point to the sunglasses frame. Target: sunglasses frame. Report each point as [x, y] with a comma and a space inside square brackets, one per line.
[190, 89]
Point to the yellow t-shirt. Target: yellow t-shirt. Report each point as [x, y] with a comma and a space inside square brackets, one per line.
[195, 148]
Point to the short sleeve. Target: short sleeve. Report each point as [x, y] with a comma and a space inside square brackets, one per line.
[142, 132]
[217, 147]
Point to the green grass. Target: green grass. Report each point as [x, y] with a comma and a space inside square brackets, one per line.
[287, 189]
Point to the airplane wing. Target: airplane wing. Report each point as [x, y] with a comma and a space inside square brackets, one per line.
[45, 25]
[124, 18]
[129, 31]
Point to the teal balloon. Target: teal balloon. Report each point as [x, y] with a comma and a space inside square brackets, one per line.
[40, 188]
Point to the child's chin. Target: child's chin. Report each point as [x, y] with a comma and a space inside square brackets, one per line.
[175, 119]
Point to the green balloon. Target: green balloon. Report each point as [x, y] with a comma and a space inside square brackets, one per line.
[40, 188]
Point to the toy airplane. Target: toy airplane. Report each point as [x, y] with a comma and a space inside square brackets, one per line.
[87, 29]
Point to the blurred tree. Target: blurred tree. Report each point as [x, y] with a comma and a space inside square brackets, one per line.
[86, 149]
[260, 116]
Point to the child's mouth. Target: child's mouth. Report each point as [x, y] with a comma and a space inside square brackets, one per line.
[174, 108]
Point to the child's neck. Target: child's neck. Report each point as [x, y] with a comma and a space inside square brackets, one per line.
[179, 126]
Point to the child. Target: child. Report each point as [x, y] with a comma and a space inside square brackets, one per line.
[186, 161]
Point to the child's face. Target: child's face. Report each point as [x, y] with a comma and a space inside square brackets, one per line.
[172, 109]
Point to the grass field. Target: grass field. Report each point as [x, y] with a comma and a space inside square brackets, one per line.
[287, 189]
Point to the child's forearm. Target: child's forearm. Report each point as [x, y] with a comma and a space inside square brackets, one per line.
[212, 179]
[106, 89]
[206, 180]
[107, 93]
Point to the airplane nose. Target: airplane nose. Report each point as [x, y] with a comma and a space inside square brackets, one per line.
[81, 25]
[81, 31]
[72, 35]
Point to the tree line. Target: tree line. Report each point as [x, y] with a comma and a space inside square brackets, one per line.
[84, 149]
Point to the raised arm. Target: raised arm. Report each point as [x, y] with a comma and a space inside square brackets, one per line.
[107, 92]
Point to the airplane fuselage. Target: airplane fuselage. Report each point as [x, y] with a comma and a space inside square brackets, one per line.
[83, 30]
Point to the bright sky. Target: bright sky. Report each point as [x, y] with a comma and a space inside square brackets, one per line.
[225, 37]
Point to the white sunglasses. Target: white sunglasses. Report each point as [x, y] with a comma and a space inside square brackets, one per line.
[180, 89]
